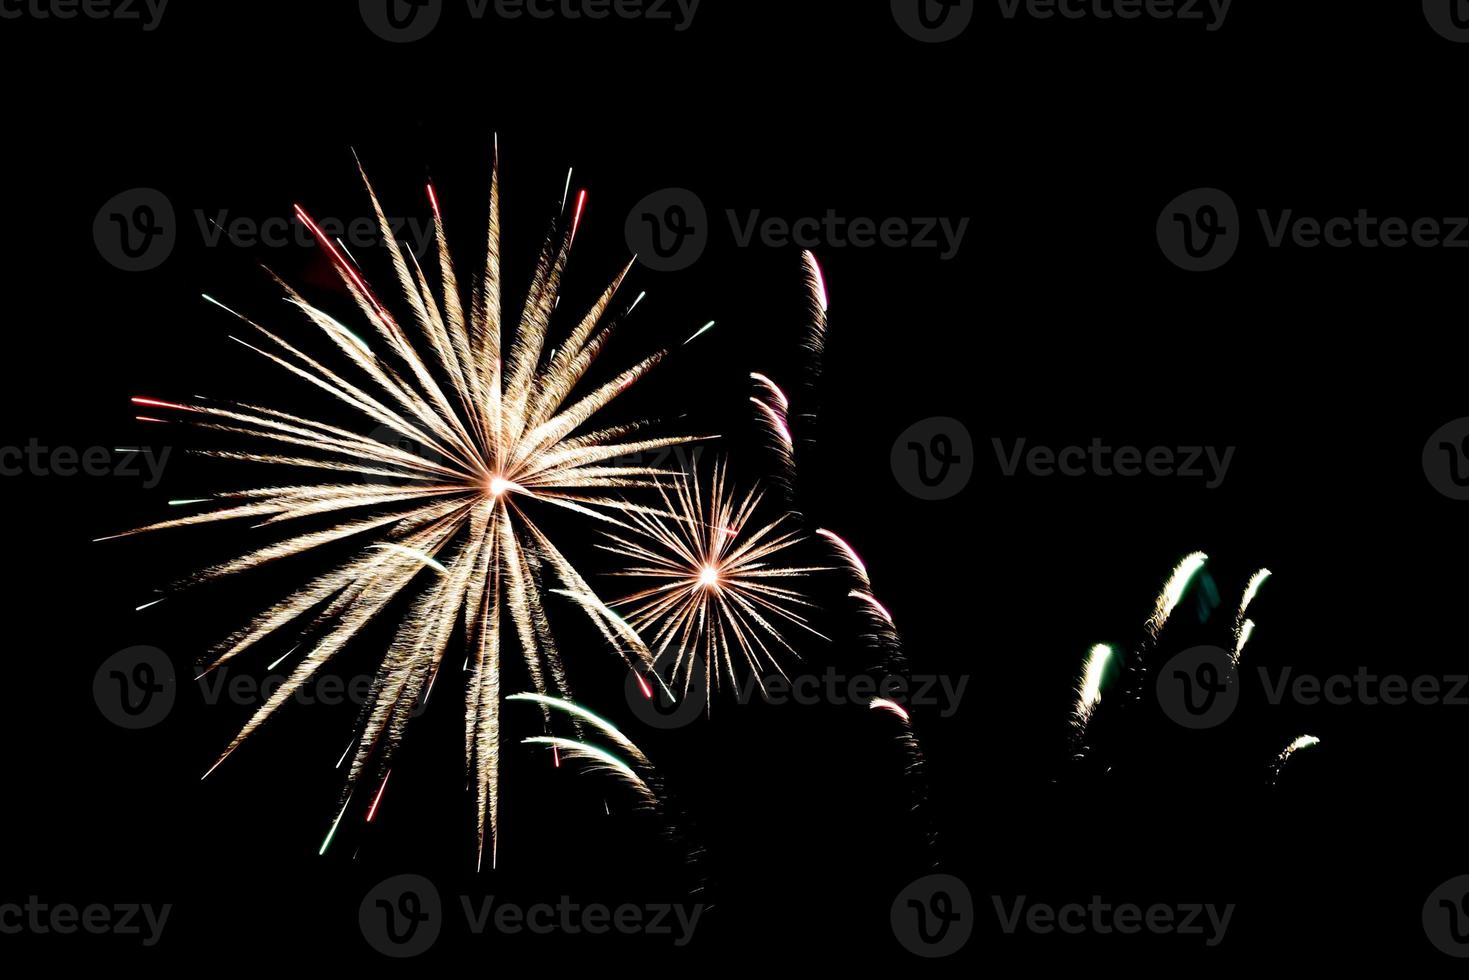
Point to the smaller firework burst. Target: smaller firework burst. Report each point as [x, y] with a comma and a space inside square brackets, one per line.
[715, 601]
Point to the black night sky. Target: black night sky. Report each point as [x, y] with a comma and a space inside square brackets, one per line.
[1054, 144]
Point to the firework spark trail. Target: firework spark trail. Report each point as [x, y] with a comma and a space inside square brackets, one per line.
[1173, 591]
[1168, 599]
[849, 555]
[819, 306]
[1304, 742]
[1241, 637]
[1243, 627]
[774, 414]
[884, 633]
[1089, 691]
[913, 768]
[501, 437]
[890, 706]
[716, 600]
[601, 759]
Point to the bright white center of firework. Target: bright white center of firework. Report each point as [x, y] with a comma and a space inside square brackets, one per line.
[708, 577]
[499, 486]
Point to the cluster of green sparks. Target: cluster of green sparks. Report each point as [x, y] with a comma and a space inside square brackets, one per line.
[1099, 661]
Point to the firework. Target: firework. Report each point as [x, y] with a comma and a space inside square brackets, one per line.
[601, 759]
[503, 438]
[819, 306]
[1241, 637]
[1168, 599]
[1304, 742]
[1089, 691]
[773, 408]
[849, 554]
[1173, 591]
[892, 707]
[1243, 627]
[716, 601]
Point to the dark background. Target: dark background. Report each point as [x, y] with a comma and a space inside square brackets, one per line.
[1059, 321]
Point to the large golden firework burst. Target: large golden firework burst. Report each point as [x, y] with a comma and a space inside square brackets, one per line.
[451, 526]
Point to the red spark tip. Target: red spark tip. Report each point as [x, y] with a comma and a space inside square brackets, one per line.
[155, 403]
[581, 204]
